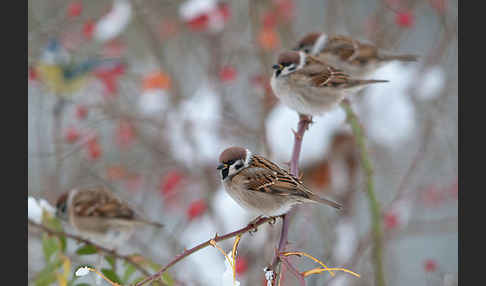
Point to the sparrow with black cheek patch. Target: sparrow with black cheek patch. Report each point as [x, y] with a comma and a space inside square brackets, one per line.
[352, 56]
[311, 86]
[98, 215]
[262, 187]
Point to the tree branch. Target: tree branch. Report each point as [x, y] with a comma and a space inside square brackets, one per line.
[303, 125]
[373, 203]
[205, 244]
[113, 253]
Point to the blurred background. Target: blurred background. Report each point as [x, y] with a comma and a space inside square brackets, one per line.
[142, 96]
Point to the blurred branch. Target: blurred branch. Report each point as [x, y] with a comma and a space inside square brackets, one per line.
[205, 244]
[57, 115]
[265, 63]
[303, 125]
[374, 205]
[113, 253]
[418, 227]
[155, 46]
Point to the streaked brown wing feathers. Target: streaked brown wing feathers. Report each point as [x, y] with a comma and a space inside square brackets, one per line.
[322, 74]
[100, 202]
[265, 176]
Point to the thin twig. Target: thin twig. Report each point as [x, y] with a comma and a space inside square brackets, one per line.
[373, 203]
[292, 269]
[113, 253]
[303, 125]
[205, 244]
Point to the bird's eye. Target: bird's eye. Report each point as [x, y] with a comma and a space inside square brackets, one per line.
[306, 51]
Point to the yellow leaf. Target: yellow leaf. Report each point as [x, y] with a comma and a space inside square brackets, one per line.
[66, 265]
[319, 270]
[61, 280]
[308, 256]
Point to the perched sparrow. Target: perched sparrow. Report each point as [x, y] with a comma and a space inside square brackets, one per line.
[262, 187]
[97, 214]
[311, 86]
[357, 58]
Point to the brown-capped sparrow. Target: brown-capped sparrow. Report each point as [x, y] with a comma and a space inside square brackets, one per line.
[348, 54]
[262, 187]
[311, 86]
[98, 215]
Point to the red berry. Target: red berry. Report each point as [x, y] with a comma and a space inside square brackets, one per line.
[125, 134]
[88, 29]
[390, 220]
[270, 19]
[75, 9]
[430, 265]
[72, 135]
[196, 209]
[268, 39]
[81, 112]
[199, 23]
[169, 182]
[285, 9]
[32, 73]
[227, 74]
[224, 10]
[241, 265]
[94, 148]
[404, 19]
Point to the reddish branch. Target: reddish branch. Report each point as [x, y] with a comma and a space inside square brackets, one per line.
[303, 125]
[205, 244]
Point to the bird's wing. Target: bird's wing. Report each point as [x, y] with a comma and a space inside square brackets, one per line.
[341, 46]
[100, 202]
[317, 73]
[264, 176]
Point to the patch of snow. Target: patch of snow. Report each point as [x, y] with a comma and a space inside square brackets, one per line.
[35, 207]
[389, 115]
[113, 23]
[431, 84]
[316, 141]
[153, 101]
[227, 278]
[347, 240]
[194, 8]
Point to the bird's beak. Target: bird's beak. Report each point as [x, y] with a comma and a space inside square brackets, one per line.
[221, 166]
[277, 67]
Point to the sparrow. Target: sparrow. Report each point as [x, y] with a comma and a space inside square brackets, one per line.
[260, 186]
[98, 215]
[311, 86]
[352, 56]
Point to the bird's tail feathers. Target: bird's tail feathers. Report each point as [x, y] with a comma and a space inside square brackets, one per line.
[151, 223]
[360, 82]
[402, 58]
[325, 201]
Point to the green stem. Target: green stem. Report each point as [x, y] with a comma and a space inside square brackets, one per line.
[358, 133]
